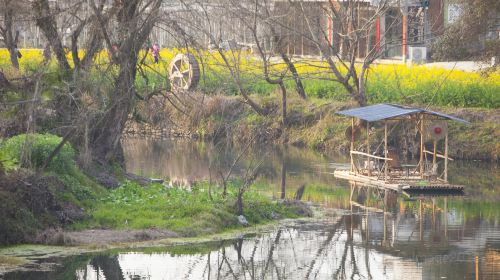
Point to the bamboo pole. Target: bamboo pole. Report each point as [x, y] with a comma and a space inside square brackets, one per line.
[386, 152]
[438, 155]
[369, 155]
[421, 146]
[421, 220]
[352, 144]
[445, 216]
[368, 147]
[434, 154]
[477, 267]
[446, 157]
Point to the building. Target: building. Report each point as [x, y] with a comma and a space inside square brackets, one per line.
[404, 27]
[401, 26]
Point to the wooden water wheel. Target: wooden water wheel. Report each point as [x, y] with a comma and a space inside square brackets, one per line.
[184, 72]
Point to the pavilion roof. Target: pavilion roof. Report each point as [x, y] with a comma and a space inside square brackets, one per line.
[383, 111]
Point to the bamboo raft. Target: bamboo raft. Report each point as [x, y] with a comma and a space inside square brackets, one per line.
[409, 185]
[384, 170]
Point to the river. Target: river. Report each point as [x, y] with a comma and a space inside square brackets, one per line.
[369, 235]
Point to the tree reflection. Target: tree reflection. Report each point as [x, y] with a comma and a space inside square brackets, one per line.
[109, 266]
[381, 236]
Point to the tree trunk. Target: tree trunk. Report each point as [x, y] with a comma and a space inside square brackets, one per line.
[283, 178]
[283, 104]
[13, 57]
[296, 78]
[10, 40]
[46, 22]
[239, 203]
[107, 134]
[361, 94]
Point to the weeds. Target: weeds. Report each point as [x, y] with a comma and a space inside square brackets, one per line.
[188, 212]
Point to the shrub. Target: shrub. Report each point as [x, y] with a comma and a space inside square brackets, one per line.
[35, 148]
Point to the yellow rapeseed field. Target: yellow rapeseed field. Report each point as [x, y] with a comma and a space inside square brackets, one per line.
[386, 83]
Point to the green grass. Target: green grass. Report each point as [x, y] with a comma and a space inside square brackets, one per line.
[189, 213]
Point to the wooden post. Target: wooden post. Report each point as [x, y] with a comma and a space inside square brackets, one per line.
[422, 139]
[352, 144]
[386, 152]
[420, 220]
[368, 148]
[434, 154]
[445, 216]
[477, 267]
[446, 157]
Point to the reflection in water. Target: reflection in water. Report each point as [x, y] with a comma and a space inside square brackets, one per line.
[185, 162]
[413, 240]
[366, 233]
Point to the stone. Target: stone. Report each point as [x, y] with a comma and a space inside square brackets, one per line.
[243, 221]
[275, 216]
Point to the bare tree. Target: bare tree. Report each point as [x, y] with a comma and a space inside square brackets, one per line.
[46, 21]
[350, 57]
[129, 24]
[11, 12]
[135, 20]
[251, 14]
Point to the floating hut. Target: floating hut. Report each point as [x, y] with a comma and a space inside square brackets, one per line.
[385, 169]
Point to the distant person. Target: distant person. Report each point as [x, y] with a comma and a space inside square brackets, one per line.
[113, 53]
[155, 51]
[17, 52]
[46, 53]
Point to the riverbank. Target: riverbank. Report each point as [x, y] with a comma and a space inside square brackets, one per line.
[45, 209]
[52, 205]
[41, 257]
[310, 123]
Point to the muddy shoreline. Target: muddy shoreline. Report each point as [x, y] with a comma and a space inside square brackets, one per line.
[28, 257]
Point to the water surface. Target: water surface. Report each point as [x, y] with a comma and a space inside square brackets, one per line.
[365, 234]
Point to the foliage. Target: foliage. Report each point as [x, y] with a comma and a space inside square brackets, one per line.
[31, 150]
[189, 212]
[6, 162]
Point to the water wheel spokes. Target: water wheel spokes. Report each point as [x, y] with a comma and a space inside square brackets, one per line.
[184, 72]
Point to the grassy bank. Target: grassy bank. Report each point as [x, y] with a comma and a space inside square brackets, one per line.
[314, 124]
[63, 197]
[187, 212]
